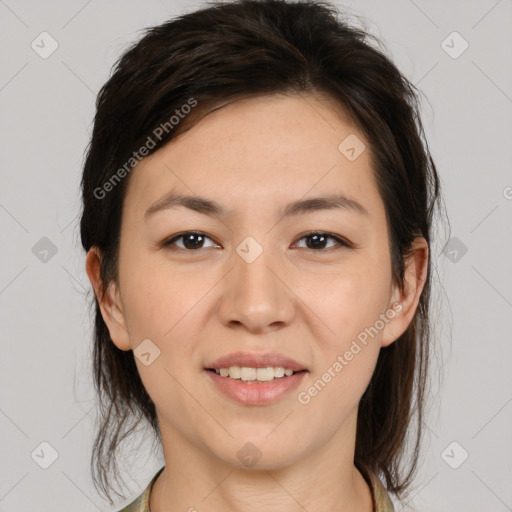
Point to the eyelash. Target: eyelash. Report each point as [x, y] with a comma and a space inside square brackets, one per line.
[341, 243]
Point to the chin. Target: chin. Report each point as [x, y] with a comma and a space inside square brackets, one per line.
[258, 453]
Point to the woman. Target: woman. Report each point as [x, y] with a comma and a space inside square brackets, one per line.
[257, 207]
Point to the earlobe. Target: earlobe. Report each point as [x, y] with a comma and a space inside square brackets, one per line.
[415, 275]
[109, 301]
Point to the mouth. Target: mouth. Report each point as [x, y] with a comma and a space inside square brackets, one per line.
[253, 375]
[255, 385]
[255, 378]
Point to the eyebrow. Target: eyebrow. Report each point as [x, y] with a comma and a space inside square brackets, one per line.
[213, 208]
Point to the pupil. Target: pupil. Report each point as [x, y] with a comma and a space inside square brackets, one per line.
[189, 241]
[317, 238]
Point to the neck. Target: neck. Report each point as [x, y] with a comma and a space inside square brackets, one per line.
[323, 480]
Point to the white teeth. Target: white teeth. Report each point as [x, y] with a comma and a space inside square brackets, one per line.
[249, 374]
[234, 372]
[279, 371]
[265, 374]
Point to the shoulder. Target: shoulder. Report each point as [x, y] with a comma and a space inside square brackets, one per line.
[137, 505]
[141, 503]
[381, 499]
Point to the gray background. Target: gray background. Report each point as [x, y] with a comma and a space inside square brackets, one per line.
[47, 106]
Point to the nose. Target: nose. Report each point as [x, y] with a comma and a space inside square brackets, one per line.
[255, 295]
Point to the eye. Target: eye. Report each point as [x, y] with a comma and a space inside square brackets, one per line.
[318, 240]
[192, 240]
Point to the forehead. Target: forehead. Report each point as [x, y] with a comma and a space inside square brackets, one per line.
[259, 150]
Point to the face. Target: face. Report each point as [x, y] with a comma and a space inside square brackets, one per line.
[310, 283]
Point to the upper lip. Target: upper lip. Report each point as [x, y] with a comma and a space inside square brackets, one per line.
[255, 360]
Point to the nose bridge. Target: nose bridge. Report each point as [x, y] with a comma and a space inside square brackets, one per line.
[254, 295]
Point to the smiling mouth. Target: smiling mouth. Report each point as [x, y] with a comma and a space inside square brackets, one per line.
[254, 375]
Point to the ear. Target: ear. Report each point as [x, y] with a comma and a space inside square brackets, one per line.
[110, 301]
[404, 302]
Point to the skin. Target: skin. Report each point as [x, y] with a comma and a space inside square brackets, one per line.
[253, 156]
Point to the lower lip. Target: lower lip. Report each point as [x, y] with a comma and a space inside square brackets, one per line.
[257, 393]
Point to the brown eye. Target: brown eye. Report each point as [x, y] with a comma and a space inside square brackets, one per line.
[192, 241]
[317, 240]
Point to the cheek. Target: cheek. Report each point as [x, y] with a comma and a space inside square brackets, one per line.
[351, 307]
[157, 307]
[161, 307]
[350, 301]
[155, 296]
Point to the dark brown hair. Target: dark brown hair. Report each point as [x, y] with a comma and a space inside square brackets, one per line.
[238, 49]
